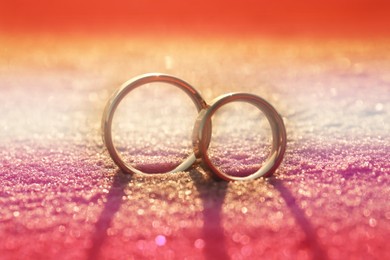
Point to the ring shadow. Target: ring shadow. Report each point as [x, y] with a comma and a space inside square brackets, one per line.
[212, 194]
[311, 238]
[112, 205]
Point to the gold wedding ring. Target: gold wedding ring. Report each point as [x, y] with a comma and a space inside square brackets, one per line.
[125, 89]
[201, 135]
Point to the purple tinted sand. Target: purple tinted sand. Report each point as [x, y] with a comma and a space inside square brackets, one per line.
[62, 196]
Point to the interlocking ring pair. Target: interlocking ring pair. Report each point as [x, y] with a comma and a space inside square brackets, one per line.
[202, 130]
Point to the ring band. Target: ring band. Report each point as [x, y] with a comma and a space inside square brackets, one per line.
[202, 135]
[118, 96]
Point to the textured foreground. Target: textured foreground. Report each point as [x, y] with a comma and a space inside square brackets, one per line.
[62, 197]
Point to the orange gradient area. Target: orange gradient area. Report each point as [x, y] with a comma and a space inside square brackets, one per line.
[282, 17]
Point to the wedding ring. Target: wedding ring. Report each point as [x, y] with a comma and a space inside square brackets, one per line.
[125, 89]
[202, 135]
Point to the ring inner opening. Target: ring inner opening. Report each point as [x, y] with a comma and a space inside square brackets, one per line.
[152, 127]
[241, 139]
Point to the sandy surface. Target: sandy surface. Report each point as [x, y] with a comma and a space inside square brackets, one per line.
[62, 197]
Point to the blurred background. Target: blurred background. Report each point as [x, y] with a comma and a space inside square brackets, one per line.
[280, 18]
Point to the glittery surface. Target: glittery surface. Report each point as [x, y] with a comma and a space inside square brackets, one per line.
[62, 197]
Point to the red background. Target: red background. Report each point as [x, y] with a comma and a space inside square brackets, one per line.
[283, 17]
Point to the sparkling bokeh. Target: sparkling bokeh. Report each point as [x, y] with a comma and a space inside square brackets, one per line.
[63, 197]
